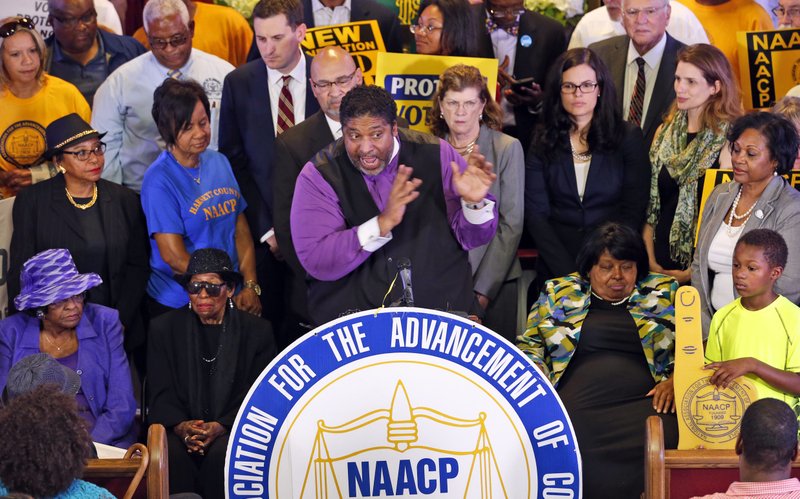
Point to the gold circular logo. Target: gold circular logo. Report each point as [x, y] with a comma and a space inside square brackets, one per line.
[22, 143]
[714, 414]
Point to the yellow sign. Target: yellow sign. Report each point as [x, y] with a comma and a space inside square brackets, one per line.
[769, 63]
[708, 416]
[362, 39]
[412, 79]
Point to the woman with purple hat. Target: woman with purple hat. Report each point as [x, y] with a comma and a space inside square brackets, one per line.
[85, 337]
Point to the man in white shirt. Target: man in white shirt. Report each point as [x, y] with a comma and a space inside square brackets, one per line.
[123, 103]
[606, 21]
[642, 63]
[327, 12]
[261, 99]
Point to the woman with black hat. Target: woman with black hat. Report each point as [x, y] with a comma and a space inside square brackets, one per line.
[202, 360]
[99, 222]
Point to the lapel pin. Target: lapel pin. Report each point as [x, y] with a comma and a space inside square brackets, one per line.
[759, 214]
[526, 41]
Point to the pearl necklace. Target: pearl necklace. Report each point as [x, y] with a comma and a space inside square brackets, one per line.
[732, 231]
[615, 303]
[84, 206]
[581, 157]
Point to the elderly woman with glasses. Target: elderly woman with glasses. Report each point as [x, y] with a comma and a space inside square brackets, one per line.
[446, 27]
[30, 99]
[84, 337]
[99, 222]
[202, 361]
[586, 166]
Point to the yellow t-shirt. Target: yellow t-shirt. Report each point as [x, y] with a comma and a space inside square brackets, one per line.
[218, 30]
[771, 335]
[23, 121]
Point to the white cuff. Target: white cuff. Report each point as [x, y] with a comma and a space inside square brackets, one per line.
[267, 235]
[480, 213]
[369, 235]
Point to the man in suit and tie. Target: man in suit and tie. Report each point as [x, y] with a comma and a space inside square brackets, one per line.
[525, 43]
[333, 74]
[264, 98]
[642, 63]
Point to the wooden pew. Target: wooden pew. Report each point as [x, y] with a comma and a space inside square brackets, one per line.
[123, 477]
[687, 473]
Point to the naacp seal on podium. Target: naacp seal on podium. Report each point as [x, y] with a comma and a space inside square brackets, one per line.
[402, 402]
[714, 414]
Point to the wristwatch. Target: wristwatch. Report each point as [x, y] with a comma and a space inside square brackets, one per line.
[254, 286]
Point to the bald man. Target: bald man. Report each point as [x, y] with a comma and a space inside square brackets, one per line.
[333, 74]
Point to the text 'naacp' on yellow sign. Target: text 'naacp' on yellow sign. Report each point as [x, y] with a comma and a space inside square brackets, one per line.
[362, 39]
[769, 63]
[412, 79]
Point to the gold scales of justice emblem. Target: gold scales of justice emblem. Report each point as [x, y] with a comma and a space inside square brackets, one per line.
[425, 449]
[708, 416]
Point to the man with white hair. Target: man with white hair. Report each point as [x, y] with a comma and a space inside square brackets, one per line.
[788, 13]
[605, 22]
[123, 103]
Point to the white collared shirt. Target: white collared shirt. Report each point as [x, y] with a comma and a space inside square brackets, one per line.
[652, 61]
[505, 44]
[297, 87]
[336, 127]
[325, 16]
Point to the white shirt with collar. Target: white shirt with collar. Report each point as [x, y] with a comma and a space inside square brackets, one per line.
[123, 108]
[505, 44]
[652, 61]
[335, 126]
[325, 16]
[297, 87]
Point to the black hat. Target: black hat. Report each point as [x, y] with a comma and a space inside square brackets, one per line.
[66, 131]
[210, 261]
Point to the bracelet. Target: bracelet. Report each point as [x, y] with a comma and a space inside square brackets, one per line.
[251, 284]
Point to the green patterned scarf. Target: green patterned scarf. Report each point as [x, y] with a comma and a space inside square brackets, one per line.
[686, 164]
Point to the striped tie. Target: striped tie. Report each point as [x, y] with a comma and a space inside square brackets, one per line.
[637, 99]
[285, 107]
[175, 74]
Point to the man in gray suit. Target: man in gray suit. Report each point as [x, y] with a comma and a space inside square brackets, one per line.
[642, 63]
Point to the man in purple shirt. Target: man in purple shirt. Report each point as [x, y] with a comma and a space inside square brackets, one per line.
[358, 211]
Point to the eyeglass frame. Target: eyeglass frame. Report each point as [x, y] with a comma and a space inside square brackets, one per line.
[648, 12]
[341, 82]
[79, 298]
[98, 150]
[174, 41]
[505, 12]
[426, 30]
[454, 106]
[212, 289]
[792, 12]
[72, 22]
[592, 84]
[11, 27]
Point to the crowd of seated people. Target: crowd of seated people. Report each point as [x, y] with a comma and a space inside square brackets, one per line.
[178, 199]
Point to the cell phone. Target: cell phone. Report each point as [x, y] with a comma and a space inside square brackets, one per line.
[517, 85]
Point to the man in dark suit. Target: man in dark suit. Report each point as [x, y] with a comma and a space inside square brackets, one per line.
[646, 45]
[263, 98]
[333, 74]
[525, 44]
[327, 12]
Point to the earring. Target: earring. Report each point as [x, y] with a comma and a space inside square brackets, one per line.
[40, 314]
[190, 305]
[230, 303]
[441, 114]
[61, 169]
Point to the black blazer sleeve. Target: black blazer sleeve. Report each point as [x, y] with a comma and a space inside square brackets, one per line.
[288, 167]
[632, 206]
[165, 402]
[23, 239]
[136, 270]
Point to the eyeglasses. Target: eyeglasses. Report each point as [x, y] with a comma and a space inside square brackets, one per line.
[340, 82]
[213, 290]
[414, 28]
[507, 12]
[11, 27]
[454, 105]
[586, 87]
[71, 22]
[648, 12]
[84, 154]
[174, 42]
[792, 12]
[79, 298]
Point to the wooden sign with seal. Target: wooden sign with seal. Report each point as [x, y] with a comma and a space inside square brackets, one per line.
[708, 416]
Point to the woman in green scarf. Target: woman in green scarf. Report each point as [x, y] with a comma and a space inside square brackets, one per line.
[690, 141]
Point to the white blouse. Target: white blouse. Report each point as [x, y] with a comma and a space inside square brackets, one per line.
[720, 262]
[581, 174]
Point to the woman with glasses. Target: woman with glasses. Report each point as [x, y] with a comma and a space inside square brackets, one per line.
[192, 200]
[585, 167]
[99, 222]
[202, 361]
[691, 140]
[446, 27]
[81, 336]
[30, 99]
[465, 115]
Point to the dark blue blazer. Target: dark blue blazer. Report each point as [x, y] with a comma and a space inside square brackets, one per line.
[119, 49]
[247, 138]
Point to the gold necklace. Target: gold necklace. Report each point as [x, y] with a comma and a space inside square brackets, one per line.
[464, 150]
[85, 206]
[59, 346]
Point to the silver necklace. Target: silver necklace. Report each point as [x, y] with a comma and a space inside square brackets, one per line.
[731, 230]
[615, 303]
[213, 359]
[581, 157]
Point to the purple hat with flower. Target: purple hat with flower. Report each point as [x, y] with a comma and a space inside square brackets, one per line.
[51, 276]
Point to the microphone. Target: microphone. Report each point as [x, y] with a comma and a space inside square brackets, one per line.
[404, 269]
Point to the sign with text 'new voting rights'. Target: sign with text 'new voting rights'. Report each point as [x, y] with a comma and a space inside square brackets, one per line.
[412, 79]
[405, 403]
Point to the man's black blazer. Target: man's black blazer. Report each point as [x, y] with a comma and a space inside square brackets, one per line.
[614, 52]
[247, 136]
